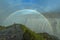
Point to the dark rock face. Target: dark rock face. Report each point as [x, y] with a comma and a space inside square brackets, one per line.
[13, 33]
[26, 36]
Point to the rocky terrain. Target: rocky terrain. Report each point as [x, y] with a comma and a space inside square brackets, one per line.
[21, 32]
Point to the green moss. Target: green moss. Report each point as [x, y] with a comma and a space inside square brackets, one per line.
[2, 27]
[33, 35]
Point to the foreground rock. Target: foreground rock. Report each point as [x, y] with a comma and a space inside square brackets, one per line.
[20, 32]
[12, 33]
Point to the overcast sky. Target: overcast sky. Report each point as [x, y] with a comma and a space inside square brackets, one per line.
[9, 6]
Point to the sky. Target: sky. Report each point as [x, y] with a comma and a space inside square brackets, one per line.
[46, 5]
[7, 7]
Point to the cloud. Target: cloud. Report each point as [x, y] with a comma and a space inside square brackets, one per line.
[8, 6]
